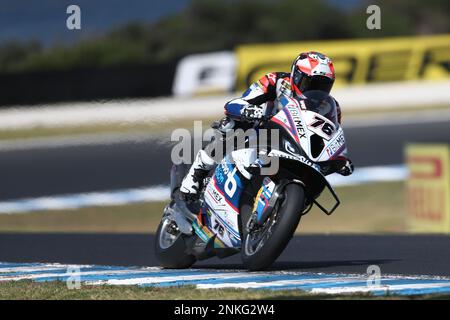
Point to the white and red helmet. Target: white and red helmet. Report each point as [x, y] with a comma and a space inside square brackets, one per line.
[312, 71]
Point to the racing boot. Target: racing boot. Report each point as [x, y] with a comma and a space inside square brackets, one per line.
[193, 181]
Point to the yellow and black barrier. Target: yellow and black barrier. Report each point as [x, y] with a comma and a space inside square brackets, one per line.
[355, 61]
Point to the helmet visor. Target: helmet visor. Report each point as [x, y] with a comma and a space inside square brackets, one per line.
[306, 83]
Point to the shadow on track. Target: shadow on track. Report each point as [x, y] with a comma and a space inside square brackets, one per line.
[303, 265]
[394, 254]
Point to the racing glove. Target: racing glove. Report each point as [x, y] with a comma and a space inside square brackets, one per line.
[223, 125]
[251, 113]
[347, 169]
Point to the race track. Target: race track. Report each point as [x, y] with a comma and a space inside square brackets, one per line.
[400, 254]
[408, 265]
[43, 171]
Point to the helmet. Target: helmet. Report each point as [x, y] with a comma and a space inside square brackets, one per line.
[312, 71]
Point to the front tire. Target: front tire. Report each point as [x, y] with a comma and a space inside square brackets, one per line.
[170, 247]
[283, 223]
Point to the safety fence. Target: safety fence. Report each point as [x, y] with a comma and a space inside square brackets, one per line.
[356, 62]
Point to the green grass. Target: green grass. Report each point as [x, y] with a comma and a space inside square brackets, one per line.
[372, 208]
[57, 290]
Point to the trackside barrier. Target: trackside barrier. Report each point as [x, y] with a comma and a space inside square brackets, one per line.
[356, 61]
[206, 73]
[428, 188]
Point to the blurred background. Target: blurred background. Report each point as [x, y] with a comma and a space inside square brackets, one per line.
[86, 115]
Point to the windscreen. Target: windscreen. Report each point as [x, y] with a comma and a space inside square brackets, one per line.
[322, 103]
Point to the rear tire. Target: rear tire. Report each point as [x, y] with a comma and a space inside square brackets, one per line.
[287, 220]
[172, 255]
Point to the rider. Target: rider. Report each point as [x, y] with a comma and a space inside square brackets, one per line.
[310, 71]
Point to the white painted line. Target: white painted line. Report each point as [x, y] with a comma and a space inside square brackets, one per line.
[157, 280]
[34, 269]
[386, 95]
[81, 274]
[81, 140]
[314, 283]
[387, 288]
[67, 202]
[280, 283]
[119, 112]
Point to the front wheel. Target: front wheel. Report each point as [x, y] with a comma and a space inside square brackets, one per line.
[264, 244]
[170, 246]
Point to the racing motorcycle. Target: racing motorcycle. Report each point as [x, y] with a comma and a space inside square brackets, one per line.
[241, 208]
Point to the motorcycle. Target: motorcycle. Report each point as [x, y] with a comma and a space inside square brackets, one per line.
[242, 209]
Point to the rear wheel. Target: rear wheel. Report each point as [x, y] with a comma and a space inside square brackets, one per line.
[170, 246]
[262, 245]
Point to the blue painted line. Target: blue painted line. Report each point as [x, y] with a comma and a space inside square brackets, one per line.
[362, 282]
[80, 200]
[131, 275]
[263, 280]
[4, 265]
[409, 292]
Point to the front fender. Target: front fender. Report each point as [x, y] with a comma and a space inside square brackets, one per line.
[309, 175]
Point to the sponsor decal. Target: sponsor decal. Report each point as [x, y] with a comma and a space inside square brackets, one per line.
[302, 159]
[428, 188]
[322, 126]
[288, 146]
[295, 114]
[284, 88]
[220, 177]
[306, 161]
[225, 168]
[335, 145]
[218, 227]
[358, 61]
[216, 195]
[205, 73]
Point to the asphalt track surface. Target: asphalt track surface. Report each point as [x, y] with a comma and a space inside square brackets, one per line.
[405, 254]
[74, 169]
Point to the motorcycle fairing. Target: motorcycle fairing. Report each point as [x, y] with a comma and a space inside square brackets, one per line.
[285, 119]
[204, 232]
[220, 209]
[335, 147]
[222, 198]
[298, 123]
[225, 187]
